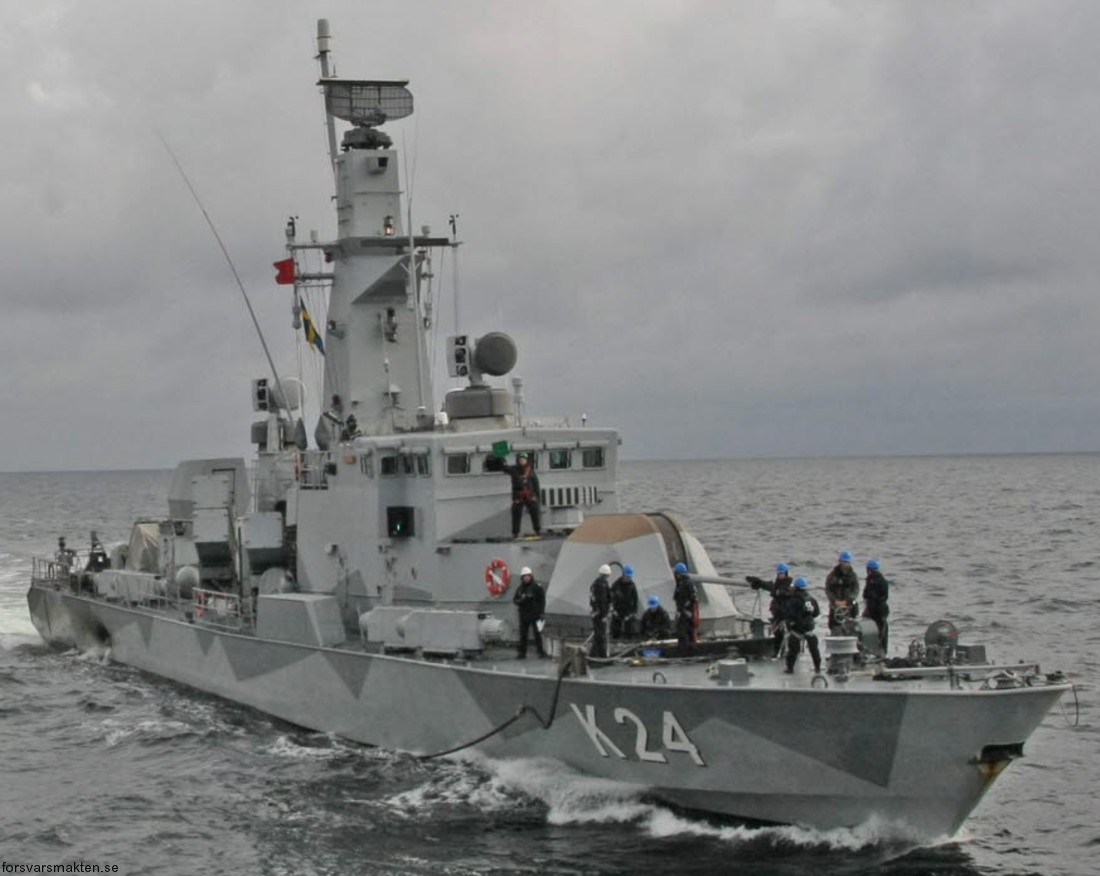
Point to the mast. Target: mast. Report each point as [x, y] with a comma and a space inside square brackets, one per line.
[324, 37]
[376, 357]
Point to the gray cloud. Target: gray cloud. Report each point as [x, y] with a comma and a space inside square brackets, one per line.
[730, 229]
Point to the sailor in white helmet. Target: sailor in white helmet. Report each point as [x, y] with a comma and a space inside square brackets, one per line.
[530, 599]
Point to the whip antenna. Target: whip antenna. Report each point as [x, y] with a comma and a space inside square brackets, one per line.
[229, 261]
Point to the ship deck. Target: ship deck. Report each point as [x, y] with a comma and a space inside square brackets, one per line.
[730, 663]
[766, 672]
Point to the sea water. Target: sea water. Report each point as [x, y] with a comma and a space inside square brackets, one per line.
[102, 764]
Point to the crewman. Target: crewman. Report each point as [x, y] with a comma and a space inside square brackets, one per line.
[656, 624]
[530, 599]
[599, 601]
[780, 589]
[525, 493]
[66, 556]
[842, 588]
[876, 601]
[686, 604]
[624, 605]
[800, 610]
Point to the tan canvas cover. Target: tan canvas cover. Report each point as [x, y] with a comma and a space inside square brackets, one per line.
[612, 528]
[144, 548]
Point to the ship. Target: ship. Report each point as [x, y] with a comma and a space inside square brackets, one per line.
[362, 584]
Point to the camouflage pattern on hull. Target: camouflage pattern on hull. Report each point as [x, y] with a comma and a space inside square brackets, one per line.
[820, 757]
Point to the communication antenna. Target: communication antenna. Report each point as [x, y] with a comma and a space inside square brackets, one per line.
[232, 267]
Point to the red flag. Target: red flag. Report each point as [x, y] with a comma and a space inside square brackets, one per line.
[284, 275]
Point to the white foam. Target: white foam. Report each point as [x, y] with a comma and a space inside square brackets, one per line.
[572, 798]
[453, 784]
[118, 731]
[284, 746]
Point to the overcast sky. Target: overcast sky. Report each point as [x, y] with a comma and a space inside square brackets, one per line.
[728, 228]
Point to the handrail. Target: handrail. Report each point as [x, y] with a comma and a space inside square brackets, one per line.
[219, 608]
[957, 668]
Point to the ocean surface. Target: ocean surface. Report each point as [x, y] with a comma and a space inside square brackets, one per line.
[104, 765]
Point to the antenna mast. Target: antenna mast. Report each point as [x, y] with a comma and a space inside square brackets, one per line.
[324, 38]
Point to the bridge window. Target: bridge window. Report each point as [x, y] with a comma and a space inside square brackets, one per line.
[387, 465]
[561, 458]
[592, 457]
[458, 463]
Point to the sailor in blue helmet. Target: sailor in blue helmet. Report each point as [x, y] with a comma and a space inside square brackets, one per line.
[842, 588]
[624, 605]
[799, 613]
[876, 596]
[599, 601]
[686, 604]
[780, 589]
[656, 624]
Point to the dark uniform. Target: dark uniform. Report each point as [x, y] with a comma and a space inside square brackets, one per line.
[780, 589]
[525, 493]
[876, 595]
[599, 600]
[624, 607]
[530, 598]
[799, 613]
[686, 603]
[842, 586]
[656, 624]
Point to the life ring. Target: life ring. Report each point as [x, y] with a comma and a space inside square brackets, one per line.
[200, 603]
[497, 576]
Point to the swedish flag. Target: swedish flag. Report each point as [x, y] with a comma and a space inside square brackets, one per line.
[312, 335]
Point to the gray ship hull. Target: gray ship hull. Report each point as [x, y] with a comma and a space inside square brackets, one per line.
[781, 752]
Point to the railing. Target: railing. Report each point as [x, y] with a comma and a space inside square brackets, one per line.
[219, 609]
[52, 570]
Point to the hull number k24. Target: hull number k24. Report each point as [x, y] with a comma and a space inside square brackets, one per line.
[673, 737]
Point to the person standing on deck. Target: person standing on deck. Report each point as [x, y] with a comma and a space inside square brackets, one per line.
[624, 605]
[66, 556]
[876, 605]
[781, 590]
[842, 588]
[530, 599]
[525, 493]
[801, 609]
[686, 603]
[599, 601]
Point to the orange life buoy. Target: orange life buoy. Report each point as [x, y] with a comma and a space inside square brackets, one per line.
[200, 602]
[497, 576]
